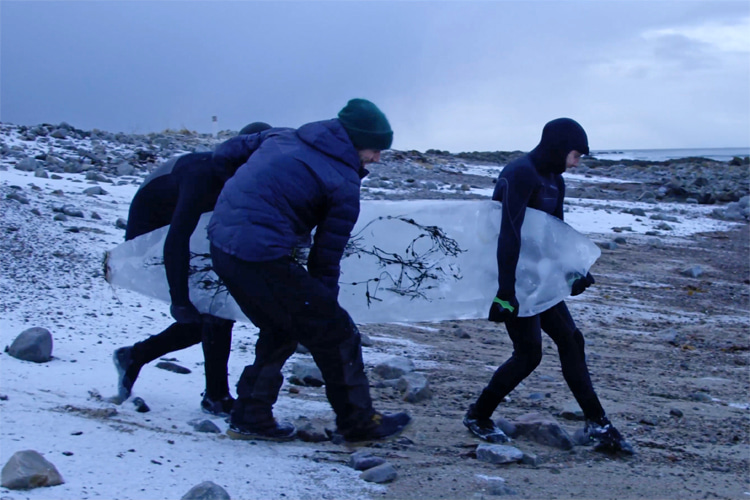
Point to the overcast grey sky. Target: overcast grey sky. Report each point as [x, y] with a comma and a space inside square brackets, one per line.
[460, 76]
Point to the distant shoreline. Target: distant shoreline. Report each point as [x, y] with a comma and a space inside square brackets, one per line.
[205, 140]
[718, 154]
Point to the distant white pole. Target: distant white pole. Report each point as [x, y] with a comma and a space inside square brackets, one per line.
[215, 125]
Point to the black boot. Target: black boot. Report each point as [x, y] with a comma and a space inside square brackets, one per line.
[253, 421]
[220, 407]
[377, 427]
[606, 438]
[127, 371]
[273, 431]
[483, 427]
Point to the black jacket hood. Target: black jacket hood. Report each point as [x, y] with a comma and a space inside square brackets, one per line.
[559, 137]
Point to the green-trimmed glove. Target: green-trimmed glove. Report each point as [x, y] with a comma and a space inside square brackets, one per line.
[502, 309]
[579, 283]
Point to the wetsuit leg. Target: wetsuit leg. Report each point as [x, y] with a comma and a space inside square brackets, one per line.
[559, 325]
[216, 339]
[177, 336]
[527, 354]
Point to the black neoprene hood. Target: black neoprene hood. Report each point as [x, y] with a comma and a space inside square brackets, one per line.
[559, 137]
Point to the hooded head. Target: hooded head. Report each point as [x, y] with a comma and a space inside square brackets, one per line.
[559, 137]
[254, 128]
[366, 125]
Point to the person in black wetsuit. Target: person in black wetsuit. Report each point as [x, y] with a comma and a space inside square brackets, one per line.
[535, 180]
[176, 194]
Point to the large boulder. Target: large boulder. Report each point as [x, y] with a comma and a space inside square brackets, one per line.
[394, 367]
[34, 344]
[27, 165]
[28, 469]
[207, 490]
[543, 429]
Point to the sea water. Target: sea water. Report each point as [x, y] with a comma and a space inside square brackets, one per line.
[719, 154]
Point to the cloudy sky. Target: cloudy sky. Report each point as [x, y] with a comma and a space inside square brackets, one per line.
[458, 76]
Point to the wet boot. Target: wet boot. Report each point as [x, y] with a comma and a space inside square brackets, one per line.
[127, 371]
[254, 422]
[483, 427]
[270, 431]
[221, 407]
[606, 438]
[377, 427]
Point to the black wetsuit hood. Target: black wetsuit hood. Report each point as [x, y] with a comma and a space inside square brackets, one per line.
[559, 137]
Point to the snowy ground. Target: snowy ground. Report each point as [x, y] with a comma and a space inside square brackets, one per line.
[57, 408]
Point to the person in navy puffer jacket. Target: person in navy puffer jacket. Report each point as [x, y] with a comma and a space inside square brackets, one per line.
[535, 181]
[176, 194]
[297, 181]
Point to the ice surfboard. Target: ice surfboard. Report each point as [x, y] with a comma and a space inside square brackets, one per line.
[406, 261]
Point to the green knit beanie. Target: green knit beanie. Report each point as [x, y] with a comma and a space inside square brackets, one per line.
[366, 125]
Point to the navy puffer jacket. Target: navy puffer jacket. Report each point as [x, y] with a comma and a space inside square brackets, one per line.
[295, 181]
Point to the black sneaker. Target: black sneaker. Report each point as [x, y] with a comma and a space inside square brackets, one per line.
[218, 407]
[127, 371]
[606, 438]
[484, 428]
[283, 431]
[378, 427]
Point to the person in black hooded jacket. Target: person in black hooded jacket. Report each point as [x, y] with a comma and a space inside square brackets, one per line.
[177, 193]
[535, 181]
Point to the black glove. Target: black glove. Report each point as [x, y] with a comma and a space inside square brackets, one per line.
[186, 313]
[502, 310]
[581, 283]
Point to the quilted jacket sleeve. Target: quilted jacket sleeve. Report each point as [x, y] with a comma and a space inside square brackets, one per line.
[332, 235]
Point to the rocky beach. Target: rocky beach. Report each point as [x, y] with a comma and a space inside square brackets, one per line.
[667, 328]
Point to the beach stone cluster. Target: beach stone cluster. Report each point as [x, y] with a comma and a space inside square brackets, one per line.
[691, 180]
[118, 158]
[398, 372]
[101, 155]
[375, 469]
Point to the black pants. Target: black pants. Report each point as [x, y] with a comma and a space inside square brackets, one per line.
[290, 306]
[527, 354]
[215, 335]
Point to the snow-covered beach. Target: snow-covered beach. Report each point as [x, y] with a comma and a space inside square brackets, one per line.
[52, 278]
